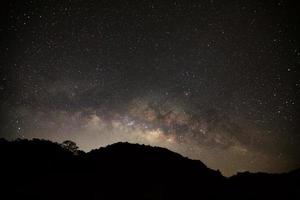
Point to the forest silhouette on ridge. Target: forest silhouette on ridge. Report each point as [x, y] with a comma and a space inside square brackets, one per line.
[41, 169]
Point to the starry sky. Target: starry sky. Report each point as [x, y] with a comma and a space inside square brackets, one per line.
[212, 80]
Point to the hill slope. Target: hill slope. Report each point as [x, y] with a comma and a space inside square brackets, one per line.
[41, 169]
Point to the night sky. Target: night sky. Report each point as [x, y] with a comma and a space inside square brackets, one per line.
[212, 80]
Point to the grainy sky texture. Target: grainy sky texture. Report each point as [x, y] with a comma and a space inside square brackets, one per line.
[213, 80]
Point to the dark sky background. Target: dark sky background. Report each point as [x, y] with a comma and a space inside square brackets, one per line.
[213, 80]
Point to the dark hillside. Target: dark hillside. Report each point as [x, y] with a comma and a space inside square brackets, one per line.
[39, 169]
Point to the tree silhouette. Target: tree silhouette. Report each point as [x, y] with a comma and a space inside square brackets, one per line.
[70, 146]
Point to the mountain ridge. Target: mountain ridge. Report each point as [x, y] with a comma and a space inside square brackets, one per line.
[125, 170]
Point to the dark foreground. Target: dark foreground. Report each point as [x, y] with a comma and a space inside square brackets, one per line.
[40, 169]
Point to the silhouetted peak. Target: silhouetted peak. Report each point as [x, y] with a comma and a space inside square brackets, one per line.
[132, 150]
[129, 151]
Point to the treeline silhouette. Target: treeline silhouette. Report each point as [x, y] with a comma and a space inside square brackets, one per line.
[40, 169]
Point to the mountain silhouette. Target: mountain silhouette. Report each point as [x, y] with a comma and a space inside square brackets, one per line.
[40, 169]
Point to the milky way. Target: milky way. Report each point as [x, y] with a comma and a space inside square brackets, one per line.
[213, 80]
